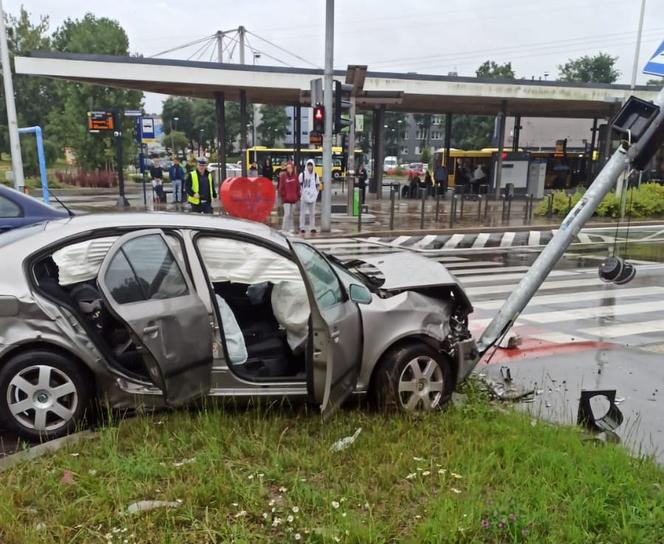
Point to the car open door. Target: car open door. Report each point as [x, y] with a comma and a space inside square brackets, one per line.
[335, 342]
[146, 287]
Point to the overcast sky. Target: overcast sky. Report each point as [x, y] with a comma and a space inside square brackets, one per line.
[425, 36]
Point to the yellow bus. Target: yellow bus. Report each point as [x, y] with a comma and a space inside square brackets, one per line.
[280, 155]
[471, 158]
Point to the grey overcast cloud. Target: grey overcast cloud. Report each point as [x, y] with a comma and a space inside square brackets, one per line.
[424, 36]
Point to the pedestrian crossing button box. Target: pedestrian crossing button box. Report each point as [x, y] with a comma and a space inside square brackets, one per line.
[634, 118]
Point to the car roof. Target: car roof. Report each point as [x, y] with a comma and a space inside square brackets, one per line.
[70, 227]
[31, 206]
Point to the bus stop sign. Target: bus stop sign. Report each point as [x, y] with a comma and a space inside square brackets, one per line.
[655, 66]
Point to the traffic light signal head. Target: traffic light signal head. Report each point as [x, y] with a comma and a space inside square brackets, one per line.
[341, 105]
[319, 119]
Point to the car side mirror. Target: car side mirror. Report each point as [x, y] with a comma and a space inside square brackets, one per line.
[360, 294]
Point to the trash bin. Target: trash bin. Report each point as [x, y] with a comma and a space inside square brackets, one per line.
[509, 190]
[356, 201]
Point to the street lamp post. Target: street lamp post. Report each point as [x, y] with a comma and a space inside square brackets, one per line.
[200, 140]
[175, 119]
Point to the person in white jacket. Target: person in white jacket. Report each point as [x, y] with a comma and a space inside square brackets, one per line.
[309, 190]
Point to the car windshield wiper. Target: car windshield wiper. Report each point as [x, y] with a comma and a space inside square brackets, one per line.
[69, 212]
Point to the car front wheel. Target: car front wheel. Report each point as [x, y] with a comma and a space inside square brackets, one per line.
[412, 378]
[43, 395]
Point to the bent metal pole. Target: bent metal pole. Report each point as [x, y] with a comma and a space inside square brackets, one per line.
[569, 228]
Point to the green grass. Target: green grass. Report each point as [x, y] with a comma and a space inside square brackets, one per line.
[477, 473]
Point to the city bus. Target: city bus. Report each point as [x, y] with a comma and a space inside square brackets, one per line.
[280, 155]
[561, 172]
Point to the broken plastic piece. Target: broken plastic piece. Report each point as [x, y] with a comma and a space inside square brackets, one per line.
[145, 506]
[346, 441]
[610, 421]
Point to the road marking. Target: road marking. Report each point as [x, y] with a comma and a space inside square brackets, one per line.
[507, 239]
[534, 238]
[578, 297]
[400, 240]
[594, 313]
[481, 239]
[505, 277]
[584, 238]
[496, 270]
[453, 241]
[557, 337]
[428, 239]
[626, 329]
[508, 288]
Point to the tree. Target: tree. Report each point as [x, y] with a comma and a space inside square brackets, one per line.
[180, 107]
[597, 69]
[659, 82]
[490, 69]
[273, 125]
[176, 141]
[424, 121]
[393, 130]
[67, 122]
[475, 131]
[34, 96]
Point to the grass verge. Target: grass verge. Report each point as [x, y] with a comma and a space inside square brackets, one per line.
[477, 473]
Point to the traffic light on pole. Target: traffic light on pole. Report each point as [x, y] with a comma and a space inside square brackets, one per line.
[319, 119]
[341, 106]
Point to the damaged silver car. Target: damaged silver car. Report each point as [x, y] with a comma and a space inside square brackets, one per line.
[158, 309]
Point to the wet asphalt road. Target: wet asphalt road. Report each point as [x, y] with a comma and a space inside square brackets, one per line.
[576, 330]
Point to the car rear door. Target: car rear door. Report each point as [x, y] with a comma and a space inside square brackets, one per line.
[146, 287]
[333, 365]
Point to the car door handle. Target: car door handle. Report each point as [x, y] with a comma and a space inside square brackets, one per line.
[151, 330]
[335, 336]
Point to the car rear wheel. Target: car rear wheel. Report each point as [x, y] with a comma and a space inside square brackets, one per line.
[43, 395]
[413, 378]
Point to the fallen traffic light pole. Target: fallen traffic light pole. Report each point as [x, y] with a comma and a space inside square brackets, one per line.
[643, 125]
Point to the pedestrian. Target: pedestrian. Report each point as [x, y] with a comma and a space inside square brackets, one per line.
[413, 184]
[440, 178]
[289, 191]
[176, 175]
[362, 177]
[157, 177]
[428, 183]
[266, 170]
[309, 190]
[200, 187]
[253, 170]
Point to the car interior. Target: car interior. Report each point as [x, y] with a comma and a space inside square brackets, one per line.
[261, 301]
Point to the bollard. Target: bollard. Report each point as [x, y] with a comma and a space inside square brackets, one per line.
[359, 215]
[453, 206]
[509, 208]
[502, 215]
[479, 208]
[463, 199]
[549, 207]
[532, 203]
[486, 208]
[392, 193]
[424, 199]
[569, 204]
[437, 206]
[526, 211]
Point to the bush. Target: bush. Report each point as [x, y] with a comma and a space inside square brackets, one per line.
[645, 201]
[104, 179]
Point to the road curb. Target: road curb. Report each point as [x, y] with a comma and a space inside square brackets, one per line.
[42, 449]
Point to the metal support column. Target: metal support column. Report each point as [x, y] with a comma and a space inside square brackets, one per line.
[297, 114]
[448, 142]
[516, 133]
[501, 142]
[243, 131]
[350, 164]
[326, 200]
[379, 150]
[220, 111]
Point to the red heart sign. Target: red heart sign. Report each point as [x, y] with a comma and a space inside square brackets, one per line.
[248, 198]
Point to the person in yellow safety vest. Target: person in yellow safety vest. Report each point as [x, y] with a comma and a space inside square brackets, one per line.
[200, 187]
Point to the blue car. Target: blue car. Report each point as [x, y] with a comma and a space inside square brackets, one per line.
[18, 210]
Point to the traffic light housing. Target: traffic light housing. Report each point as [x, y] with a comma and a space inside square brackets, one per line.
[319, 119]
[342, 105]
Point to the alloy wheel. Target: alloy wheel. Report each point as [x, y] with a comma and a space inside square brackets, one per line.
[421, 385]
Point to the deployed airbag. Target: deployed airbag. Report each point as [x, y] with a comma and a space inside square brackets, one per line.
[290, 305]
[235, 345]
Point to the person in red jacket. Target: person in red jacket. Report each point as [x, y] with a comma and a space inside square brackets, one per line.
[289, 191]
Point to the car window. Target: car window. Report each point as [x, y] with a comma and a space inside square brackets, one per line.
[155, 267]
[326, 286]
[121, 281]
[9, 208]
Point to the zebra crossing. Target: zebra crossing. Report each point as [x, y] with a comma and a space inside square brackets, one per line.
[506, 239]
[573, 306]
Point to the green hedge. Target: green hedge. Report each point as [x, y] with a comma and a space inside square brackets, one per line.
[645, 201]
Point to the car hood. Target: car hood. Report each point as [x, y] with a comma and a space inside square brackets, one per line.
[406, 271]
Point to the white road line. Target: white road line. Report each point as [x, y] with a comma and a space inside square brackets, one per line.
[594, 312]
[486, 278]
[507, 239]
[626, 329]
[481, 239]
[584, 238]
[608, 293]
[572, 283]
[453, 241]
[534, 238]
[495, 270]
[428, 239]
